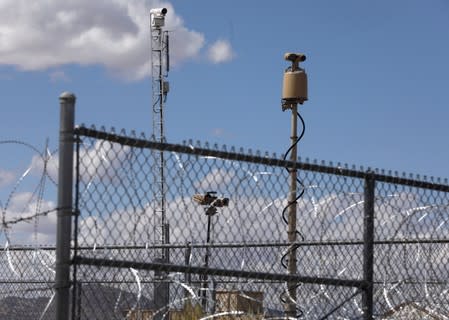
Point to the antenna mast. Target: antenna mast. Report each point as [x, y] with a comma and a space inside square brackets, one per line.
[160, 87]
[294, 91]
[159, 72]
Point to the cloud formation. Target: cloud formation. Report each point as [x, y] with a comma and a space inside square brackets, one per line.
[220, 51]
[115, 34]
[6, 177]
[24, 205]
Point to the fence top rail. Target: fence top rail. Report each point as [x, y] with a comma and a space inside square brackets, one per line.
[339, 170]
[155, 266]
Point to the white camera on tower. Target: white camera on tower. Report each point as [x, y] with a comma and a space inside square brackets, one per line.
[158, 17]
[161, 11]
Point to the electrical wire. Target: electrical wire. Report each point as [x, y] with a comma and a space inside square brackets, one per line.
[286, 295]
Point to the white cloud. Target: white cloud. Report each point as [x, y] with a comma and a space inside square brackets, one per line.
[103, 160]
[215, 180]
[99, 161]
[6, 177]
[115, 34]
[23, 206]
[253, 220]
[220, 51]
[49, 164]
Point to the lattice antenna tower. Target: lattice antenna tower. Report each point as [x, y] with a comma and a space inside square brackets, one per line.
[160, 87]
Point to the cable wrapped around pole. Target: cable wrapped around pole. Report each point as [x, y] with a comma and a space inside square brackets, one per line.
[289, 296]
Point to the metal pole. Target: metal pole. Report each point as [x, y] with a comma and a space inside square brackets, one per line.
[206, 264]
[292, 268]
[368, 247]
[187, 276]
[64, 214]
[161, 291]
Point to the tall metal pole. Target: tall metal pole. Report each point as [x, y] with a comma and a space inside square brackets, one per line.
[294, 91]
[368, 246]
[64, 214]
[158, 132]
[159, 63]
[292, 267]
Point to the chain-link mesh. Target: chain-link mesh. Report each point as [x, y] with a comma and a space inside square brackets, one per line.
[27, 283]
[28, 213]
[225, 251]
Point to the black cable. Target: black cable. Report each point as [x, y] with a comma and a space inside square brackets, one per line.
[303, 124]
[293, 247]
[299, 182]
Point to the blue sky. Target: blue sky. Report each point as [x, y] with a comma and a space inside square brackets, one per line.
[378, 82]
[378, 75]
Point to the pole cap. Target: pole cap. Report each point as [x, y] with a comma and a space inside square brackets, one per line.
[68, 96]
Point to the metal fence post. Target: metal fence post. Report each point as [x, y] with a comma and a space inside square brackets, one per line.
[64, 216]
[368, 246]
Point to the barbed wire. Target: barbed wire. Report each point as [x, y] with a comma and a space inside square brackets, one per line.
[33, 201]
[116, 197]
[331, 214]
[7, 224]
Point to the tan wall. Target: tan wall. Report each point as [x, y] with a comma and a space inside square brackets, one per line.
[240, 317]
[225, 301]
[140, 315]
[239, 301]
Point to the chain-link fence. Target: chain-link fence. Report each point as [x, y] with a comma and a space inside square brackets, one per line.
[153, 241]
[27, 188]
[27, 283]
[162, 231]
[187, 231]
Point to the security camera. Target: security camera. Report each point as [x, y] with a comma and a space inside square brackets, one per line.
[159, 11]
[158, 17]
[205, 199]
[294, 89]
[295, 57]
[210, 198]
